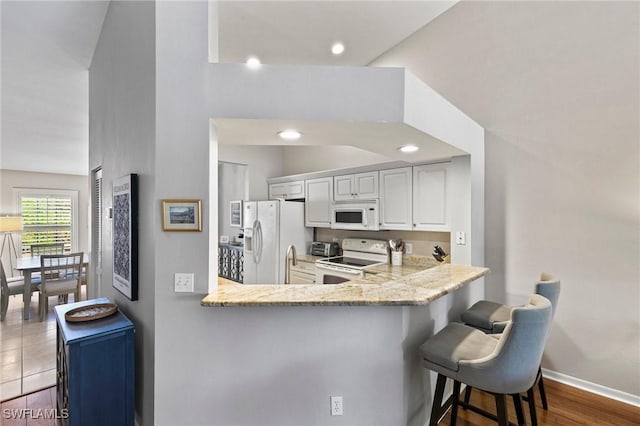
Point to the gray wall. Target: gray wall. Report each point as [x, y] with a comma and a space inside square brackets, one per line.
[555, 84]
[122, 141]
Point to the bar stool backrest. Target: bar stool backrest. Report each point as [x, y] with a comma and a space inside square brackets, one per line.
[513, 365]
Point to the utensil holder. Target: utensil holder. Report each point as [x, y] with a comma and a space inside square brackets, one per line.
[396, 258]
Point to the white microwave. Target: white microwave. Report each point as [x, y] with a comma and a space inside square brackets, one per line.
[361, 215]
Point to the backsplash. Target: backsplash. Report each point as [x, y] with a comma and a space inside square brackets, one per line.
[422, 241]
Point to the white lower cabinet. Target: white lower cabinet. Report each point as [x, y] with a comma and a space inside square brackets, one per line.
[317, 205]
[303, 273]
[430, 197]
[396, 192]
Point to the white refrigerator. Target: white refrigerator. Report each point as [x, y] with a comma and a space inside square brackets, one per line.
[269, 228]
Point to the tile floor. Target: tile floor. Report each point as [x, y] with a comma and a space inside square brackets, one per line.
[27, 349]
[30, 410]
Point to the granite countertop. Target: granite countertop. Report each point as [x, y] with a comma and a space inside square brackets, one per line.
[382, 285]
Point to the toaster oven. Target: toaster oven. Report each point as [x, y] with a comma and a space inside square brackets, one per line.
[319, 248]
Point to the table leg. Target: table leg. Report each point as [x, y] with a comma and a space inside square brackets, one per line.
[26, 296]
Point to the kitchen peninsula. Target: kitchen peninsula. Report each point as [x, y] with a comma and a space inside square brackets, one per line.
[418, 287]
[347, 337]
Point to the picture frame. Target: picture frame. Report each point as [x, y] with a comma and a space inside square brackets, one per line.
[181, 215]
[235, 214]
[125, 235]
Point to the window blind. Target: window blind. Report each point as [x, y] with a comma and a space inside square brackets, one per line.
[46, 219]
[96, 229]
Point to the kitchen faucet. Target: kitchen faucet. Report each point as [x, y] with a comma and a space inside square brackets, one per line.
[291, 250]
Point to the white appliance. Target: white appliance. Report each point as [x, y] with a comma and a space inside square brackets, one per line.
[269, 228]
[357, 255]
[360, 215]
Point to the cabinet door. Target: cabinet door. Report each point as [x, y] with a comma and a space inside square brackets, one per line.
[294, 190]
[366, 185]
[317, 205]
[277, 190]
[430, 210]
[395, 199]
[287, 190]
[343, 187]
[301, 278]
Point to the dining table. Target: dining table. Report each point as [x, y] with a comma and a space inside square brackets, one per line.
[30, 264]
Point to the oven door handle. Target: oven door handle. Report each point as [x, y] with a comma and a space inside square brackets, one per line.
[339, 269]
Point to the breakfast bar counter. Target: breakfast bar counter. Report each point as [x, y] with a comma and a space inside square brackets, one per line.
[407, 286]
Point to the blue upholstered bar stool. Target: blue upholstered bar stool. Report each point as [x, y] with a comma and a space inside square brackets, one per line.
[504, 365]
[492, 317]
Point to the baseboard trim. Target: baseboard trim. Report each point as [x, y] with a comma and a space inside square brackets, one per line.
[625, 397]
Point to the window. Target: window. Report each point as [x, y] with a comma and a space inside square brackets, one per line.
[96, 226]
[48, 216]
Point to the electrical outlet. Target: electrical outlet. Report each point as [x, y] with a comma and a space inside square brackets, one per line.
[461, 238]
[183, 282]
[336, 405]
[409, 248]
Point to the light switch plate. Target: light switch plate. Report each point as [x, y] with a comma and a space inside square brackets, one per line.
[183, 282]
[461, 238]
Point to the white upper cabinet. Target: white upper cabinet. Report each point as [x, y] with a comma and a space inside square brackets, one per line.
[359, 186]
[396, 192]
[430, 204]
[317, 205]
[287, 190]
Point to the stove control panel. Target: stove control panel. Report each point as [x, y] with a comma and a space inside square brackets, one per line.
[365, 245]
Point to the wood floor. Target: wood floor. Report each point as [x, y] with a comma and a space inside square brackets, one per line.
[568, 406]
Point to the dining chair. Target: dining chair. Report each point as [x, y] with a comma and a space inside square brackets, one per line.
[61, 275]
[51, 248]
[502, 365]
[10, 287]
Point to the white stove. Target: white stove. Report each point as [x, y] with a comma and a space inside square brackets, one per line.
[357, 255]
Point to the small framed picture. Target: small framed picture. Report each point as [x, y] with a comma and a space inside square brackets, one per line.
[181, 215]
[236, 214]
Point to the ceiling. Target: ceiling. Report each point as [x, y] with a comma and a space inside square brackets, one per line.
[371, 137]
[46, 51]
[302, 32]
[47, 48]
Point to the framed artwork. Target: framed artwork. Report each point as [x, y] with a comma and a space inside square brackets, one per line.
[235, 214]
[181, 215]
[125, 235]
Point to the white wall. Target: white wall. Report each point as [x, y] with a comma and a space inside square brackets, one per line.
[122, 141]
[555, 84]
[10, 179]
[232, 186]
[264, 162]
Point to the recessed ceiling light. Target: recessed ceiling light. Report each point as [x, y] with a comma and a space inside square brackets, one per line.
[253, 62]
[337, 48]
[289, 135]
[408, 148]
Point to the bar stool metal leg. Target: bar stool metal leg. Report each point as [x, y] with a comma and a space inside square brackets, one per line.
[543, 395]
[436, 407]
[501, 410]
[532, 407]
[454, 402]
[517, 403]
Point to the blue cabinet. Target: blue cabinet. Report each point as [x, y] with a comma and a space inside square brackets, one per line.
[95, 363]
[231, 262]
